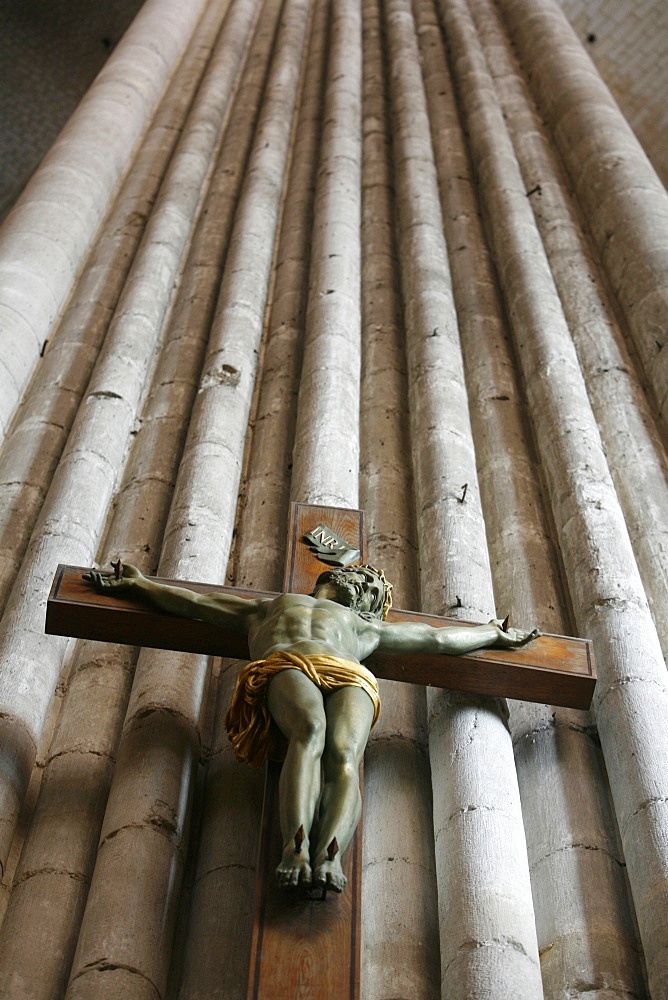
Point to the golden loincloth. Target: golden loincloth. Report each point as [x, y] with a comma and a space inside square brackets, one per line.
[253, 733]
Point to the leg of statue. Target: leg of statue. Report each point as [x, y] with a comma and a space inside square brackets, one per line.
[349, 716]
[296, 706]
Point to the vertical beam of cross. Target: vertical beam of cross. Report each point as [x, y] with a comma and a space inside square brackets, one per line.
[306, 944]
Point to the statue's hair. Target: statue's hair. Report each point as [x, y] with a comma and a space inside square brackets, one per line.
[380, 609]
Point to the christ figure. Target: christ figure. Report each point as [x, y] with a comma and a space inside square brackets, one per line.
[307, 698]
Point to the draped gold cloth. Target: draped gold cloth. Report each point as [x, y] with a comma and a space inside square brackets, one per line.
[251, 729]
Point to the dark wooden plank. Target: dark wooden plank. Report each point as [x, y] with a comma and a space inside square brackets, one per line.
[555, 670]
[304, 946]
[76, 610]
[552, 669]
[302, 567]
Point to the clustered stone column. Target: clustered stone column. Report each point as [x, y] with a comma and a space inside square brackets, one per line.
[47, 235]
[398, 855]
[397, 254]
[483, 876]
[560, 826]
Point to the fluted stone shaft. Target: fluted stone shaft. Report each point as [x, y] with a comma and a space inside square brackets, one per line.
[623, 202]
[576, 946]
[149, 804]
[266, 488]
[606, 590]
[328, 447]
[560, 840]
[635, 454]
[398, 846]
[58, 856]
[224, 873]
[39, 430]
[399, 254]
[49, 231]
[89, 469]
[488, 936]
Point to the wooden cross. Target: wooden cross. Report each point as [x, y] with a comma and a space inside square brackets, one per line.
[301, 945]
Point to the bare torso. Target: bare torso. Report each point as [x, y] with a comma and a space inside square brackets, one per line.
[310, 625]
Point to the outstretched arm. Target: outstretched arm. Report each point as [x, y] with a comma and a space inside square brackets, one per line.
[224, 610]
[417, 637]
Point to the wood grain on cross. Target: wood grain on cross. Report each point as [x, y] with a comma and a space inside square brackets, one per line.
[305, 946]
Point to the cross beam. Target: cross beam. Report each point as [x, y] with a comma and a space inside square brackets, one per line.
[553, 669]
[306, 946]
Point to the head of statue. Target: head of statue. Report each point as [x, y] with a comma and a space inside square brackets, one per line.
[364, 589]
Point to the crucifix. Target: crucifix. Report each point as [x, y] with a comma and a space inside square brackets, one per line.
[307, 684]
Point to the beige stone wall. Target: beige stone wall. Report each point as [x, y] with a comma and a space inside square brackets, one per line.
[406, 255]
[628, 42]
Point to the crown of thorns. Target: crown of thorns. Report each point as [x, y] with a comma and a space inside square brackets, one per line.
[378, 573]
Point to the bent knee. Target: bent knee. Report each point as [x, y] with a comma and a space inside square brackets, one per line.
[309, 731]
[341, 758]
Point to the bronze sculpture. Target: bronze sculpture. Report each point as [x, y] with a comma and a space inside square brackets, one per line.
[307, 696]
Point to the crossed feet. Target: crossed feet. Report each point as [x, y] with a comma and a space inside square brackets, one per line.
[295, 868]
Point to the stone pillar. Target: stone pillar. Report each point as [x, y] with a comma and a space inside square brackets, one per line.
[129, 923]
[483, 875]
[623, 413]
[48, 232]
[343, 265]
[42, 422]
[607, 593]
[623, 202]
[330, 375]
[90, 466]
[223, 877]
[564, 820]
[400, 940]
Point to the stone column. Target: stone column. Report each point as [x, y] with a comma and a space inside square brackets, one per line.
[625, 419]
[223, 877]
[623, 202]
[488, 937]
[400, 952]
[48, 232]
[127, 930]
[44, 418]
[567, 816]
[274, 239]
[58, 856]
[73, 514]
[605, 586]
[330, 374]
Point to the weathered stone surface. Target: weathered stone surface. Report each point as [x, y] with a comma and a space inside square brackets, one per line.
[112, 983]
[476, 813]
[125, 924]
[35, 967]
[621, 198]
[64, 203]
[17, 755]
[282, 317]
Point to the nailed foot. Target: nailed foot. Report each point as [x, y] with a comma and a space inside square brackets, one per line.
[300, 836]
[294, 868]
[328, 871]
[329, 875]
